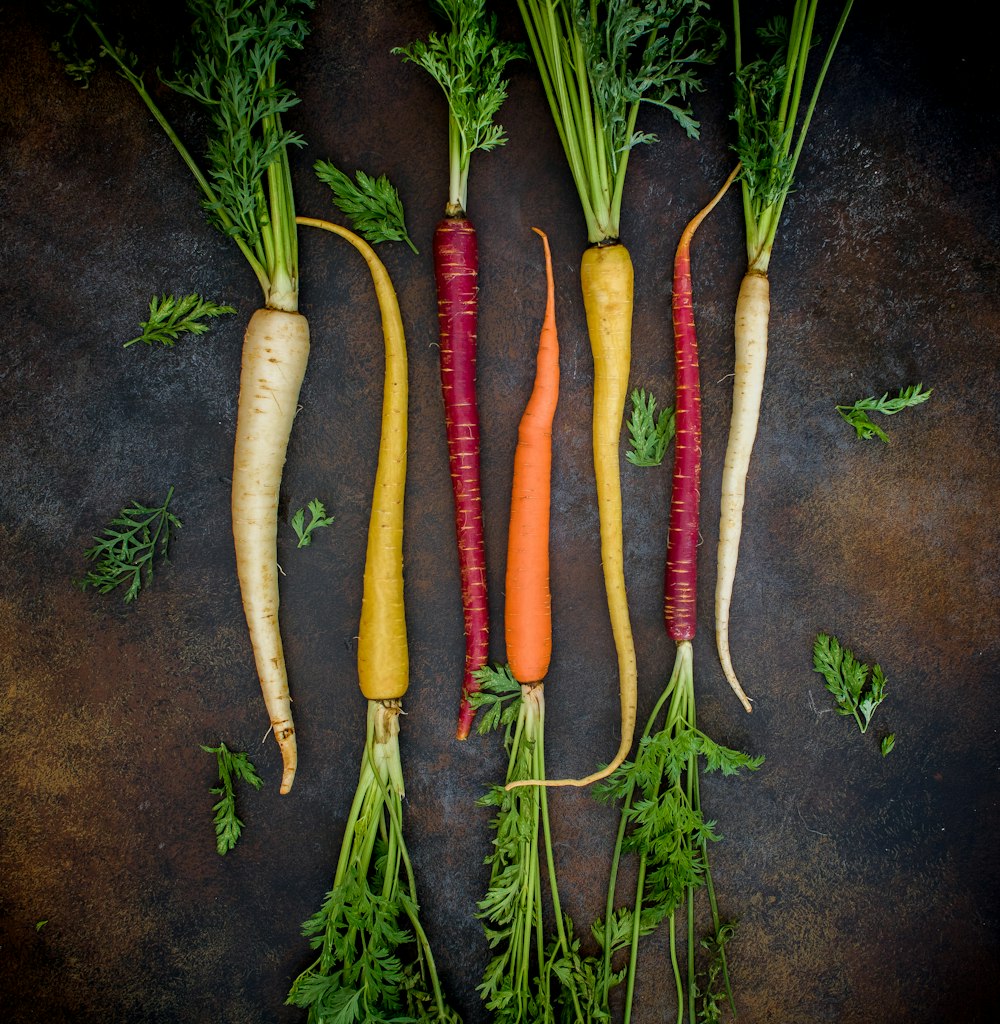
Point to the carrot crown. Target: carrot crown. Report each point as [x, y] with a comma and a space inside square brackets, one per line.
[468, 62]
[598, 62]
[770, 135]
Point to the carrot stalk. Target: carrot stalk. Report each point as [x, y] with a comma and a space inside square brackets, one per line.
[456, 269]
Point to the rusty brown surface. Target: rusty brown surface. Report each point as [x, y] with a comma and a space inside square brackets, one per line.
[864, 887]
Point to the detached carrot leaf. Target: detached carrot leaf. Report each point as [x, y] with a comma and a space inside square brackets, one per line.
[857, 414]
[317, 519]
[170, 318]
[372, 204]
[649, 434]
[848, 680]
[233, 767]
[124, 554]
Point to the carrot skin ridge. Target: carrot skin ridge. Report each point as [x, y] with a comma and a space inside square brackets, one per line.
[456, 272]
[275, 353]
[681, 574]
[528, 596]
[750, 334]
[383, 654]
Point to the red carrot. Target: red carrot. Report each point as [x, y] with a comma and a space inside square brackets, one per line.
[468, 62]
[456, 268]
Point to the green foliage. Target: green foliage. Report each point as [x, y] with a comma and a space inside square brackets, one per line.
[714, 993]
[39, 925]
[649, 434]
[372, 204]
[170, 317]
[857, 414]
[663, 824]
[317, 520]
[495, 702]
[847, 679]
[233, 767]
[125, 553]
[373, 961]
[598, 61]
[468, 62]
[888, 744]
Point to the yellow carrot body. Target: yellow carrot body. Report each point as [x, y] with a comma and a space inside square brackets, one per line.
[752, 312]
[275, 353]
[607, 281]
[383, 654]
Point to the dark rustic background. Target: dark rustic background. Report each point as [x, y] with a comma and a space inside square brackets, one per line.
[865, 887]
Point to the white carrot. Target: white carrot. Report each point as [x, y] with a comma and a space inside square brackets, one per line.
[770, 138]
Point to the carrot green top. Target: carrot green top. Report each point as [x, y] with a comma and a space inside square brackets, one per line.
[468, 62]
[598, 61]
[769, 141]
[235, 49]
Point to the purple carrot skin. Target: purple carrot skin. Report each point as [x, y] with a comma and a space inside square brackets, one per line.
[456, 269]
[680, 580]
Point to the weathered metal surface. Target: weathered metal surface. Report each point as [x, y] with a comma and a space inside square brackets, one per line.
[864, 887]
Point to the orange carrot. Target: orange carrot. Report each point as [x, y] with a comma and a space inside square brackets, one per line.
[528, 611]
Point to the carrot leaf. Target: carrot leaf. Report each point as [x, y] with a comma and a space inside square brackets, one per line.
[233, 767]
[170, 318]
[649, 434]
[372, 204]
[468, 62]
[124, 554]
[865, 427]
[317, 519]
[848, 680]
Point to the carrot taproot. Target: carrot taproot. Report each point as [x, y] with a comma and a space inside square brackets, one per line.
[528, 595]
[275, 353]
[770, 137]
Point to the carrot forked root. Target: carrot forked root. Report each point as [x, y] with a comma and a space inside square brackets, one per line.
[275, 352]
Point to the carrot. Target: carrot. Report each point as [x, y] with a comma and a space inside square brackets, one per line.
[592, 65]
[275, 352]
[371, 916]
[468, 62]
[528, 609]
[528, 977]
[247, 191]
[768, 96]
[662, 784]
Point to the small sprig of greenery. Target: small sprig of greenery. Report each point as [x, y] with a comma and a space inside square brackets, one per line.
[847, 679]
[170, 318]
[649, 434]
[317, 519]
[125, 553]
[857, 414]
[234, 766]
[468, 62]
[372, 204]
[373, 962]
[888, 744]
[662, 823]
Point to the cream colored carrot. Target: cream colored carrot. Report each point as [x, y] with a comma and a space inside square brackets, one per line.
[275, 352]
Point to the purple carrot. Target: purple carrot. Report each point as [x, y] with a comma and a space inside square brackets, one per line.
[456, 268]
